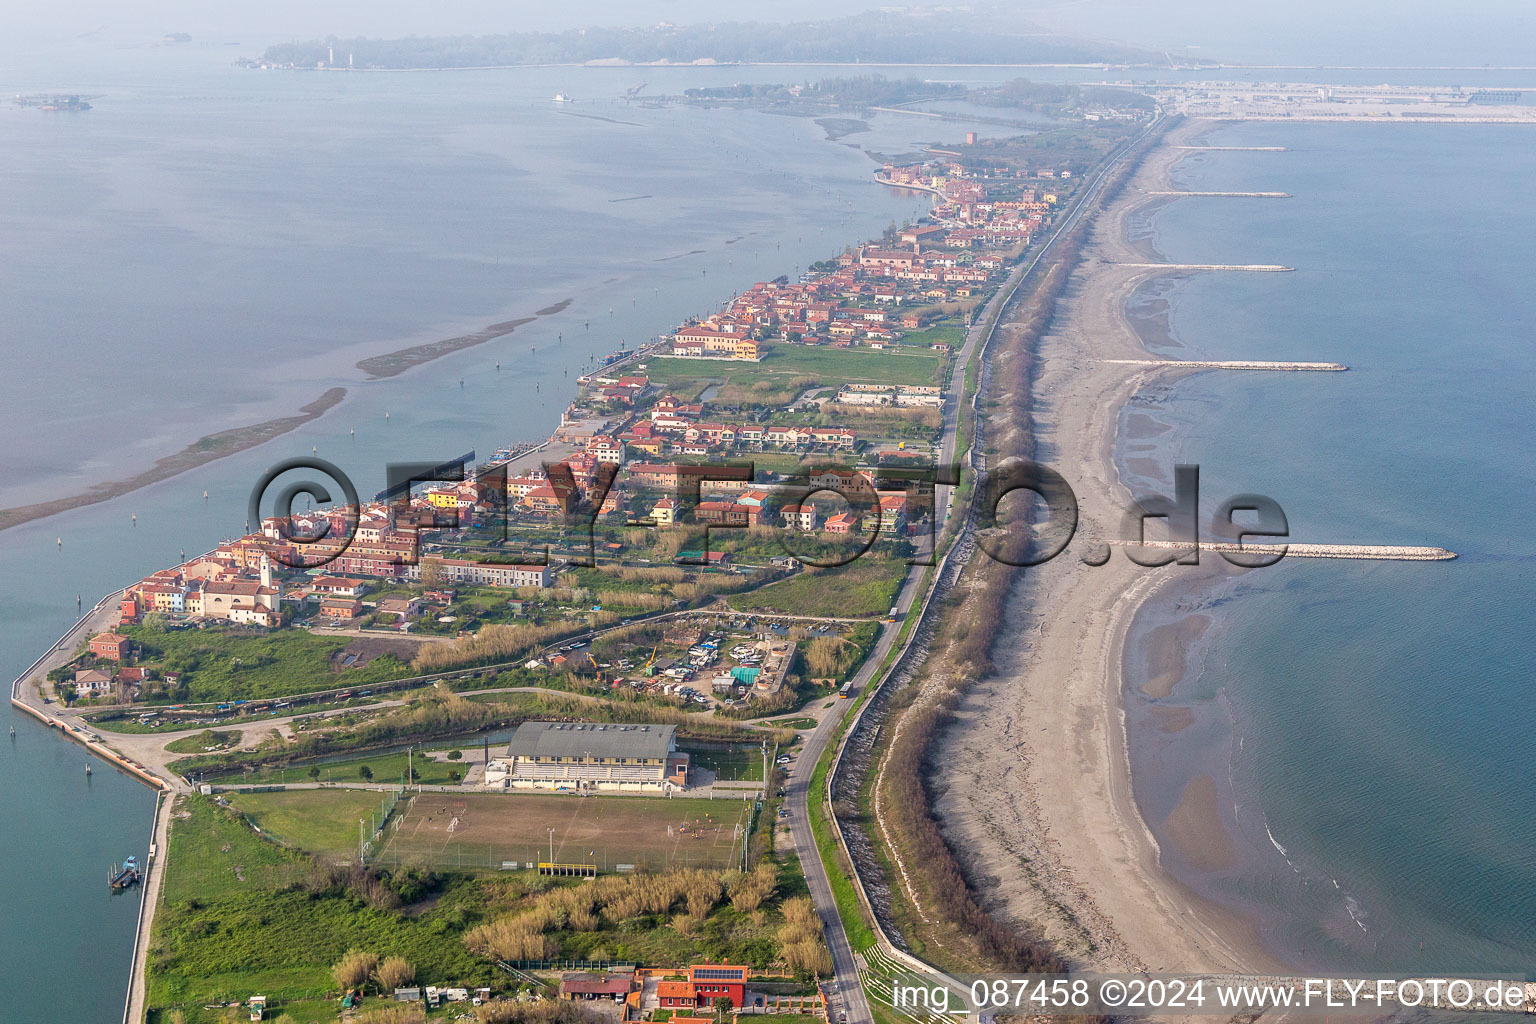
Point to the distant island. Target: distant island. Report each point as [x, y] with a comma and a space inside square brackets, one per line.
[986, 36]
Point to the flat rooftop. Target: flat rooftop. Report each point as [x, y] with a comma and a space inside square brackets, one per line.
[586, 739]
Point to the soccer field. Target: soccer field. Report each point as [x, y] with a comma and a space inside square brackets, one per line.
[498, 831]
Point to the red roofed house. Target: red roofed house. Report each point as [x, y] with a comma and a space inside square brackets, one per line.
[596, 986]
[338, 587]
[341, 608]
[112, 646]
[843, 522]
[675, 995]
[715, 981]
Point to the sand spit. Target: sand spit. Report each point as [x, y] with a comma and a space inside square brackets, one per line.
[200, 452]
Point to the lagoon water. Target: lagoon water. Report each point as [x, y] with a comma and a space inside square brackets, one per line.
[1370, 727]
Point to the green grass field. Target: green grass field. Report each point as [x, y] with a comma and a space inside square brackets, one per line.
[218, 664]
[203, 742]
[322, 821]
[212, 854]
[384, 767]
[787, 369]
[950, 334]
[865, 587]
[794, 723]
[241, 916]
[731, 765]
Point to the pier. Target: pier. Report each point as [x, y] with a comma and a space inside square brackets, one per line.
[1234, 364]
[1223, 195]
[1240, 149]
[1257, 268]
[1358, 552]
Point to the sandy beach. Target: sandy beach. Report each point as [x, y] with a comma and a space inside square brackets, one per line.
[1041, 804]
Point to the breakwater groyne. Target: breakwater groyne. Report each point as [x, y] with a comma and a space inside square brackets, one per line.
[1220, 195]
[1359, 552]
[1236, 364]
[1261, 268]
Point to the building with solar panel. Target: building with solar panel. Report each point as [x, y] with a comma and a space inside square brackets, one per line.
[584, 756]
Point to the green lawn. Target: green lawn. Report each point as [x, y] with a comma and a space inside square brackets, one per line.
[793, 723]
[212, 853]
[952, 335]
[386, 768]
[219, 664]
[786, 369]
[321, 821]
[864, 587]
[207, 740]
[241, 916]
[730, 765]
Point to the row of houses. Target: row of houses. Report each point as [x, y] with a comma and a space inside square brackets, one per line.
[907, 397]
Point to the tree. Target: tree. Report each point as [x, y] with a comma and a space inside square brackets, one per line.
[432, 575]
[395, 972]
[723, 1006]
[365, 773]
[353, 970]
[314, 773]
[455, 754]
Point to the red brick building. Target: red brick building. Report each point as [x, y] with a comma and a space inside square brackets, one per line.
[714, 981]
[112, 646]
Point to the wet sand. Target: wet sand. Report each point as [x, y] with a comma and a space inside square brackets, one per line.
[391, 364]
[200, 452]
[212, 447]
[1041, 795]
[1168, 648]
[1195, 827]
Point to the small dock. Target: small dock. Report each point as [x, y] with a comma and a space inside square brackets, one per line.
[1258, 268]
[1235, 364]
[1357, 552]
[1222, 195]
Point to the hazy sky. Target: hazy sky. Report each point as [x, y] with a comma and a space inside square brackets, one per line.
[1338, 31]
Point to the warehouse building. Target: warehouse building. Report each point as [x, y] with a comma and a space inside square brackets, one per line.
[592, 757]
